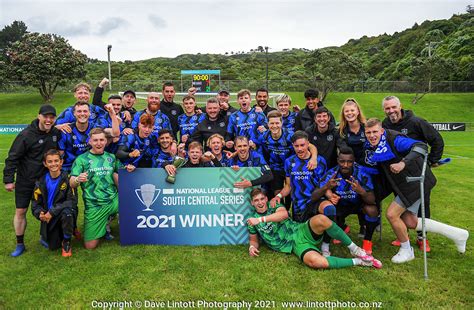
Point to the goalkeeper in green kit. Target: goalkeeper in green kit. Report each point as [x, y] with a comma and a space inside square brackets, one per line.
[282, 234]
[97, 173]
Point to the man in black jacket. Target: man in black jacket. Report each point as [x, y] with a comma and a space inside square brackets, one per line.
[416, 128]
[324, 136]
[400, 157]
[305, 117]
[169, 107]
[214, 123]
[55, 205]
[25, 158]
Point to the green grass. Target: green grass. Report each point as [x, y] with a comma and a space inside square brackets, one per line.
[42, 278]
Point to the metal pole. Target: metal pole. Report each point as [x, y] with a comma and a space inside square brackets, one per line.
[266, 57]
[421, 179]
[109, 48]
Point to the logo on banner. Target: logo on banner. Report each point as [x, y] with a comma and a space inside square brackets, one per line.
[147, 195]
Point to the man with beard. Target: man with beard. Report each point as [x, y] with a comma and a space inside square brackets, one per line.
[163, 155]
[213, 123]
[400, 157]
[223, 97]
[419, 129]
[171, 109]
[305, 117]
[161, 120]
[261, 96]
[25, 159]
[348, 189]
[127, 102]
[323, 135]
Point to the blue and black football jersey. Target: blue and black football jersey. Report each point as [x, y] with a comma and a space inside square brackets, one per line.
[161, 121]
[303, 181]
[160, 158]
[246, 124]
[67, 116]
[123, 124]
[254, 160]
[289, 121]
[74, 144]
[134, 142]
[344, 189]
[276, 151]
[188, 124]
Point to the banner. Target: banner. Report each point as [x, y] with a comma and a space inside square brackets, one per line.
[7, 129]
[201, 208]
[449, 126]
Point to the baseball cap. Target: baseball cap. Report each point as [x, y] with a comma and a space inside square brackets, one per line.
[223, 90]
[47, 109]
[130, 92]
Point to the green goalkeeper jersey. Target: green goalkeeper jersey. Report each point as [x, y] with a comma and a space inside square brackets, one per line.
[100, 187]
[278, 236]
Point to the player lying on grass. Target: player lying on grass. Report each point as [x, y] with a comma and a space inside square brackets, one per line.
[55, 205]
[282, 234]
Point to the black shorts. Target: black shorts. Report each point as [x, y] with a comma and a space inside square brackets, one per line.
[344, 211]
[278, 181]
[23, 197]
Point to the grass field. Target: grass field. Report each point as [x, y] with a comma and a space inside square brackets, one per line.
[43, 279]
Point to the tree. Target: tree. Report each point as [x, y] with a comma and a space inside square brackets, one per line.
[10, 34]
[46, 61]
[332, 67]
[423, 70]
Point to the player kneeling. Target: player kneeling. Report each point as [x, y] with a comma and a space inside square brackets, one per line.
[303, 239]
[55, 205]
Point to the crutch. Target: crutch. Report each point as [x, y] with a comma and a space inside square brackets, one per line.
[421, 179]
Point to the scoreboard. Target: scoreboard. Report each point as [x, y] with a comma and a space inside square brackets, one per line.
[202, 82]
[201, 79]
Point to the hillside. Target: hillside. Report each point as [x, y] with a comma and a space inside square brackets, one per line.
[383, 57]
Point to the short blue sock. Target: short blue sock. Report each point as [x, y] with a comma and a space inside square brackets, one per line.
[330, 210]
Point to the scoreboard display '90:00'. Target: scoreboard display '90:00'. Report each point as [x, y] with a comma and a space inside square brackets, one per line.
[198, 77]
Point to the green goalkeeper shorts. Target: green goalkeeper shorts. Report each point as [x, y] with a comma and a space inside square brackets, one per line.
[96, 218]
[306, 240]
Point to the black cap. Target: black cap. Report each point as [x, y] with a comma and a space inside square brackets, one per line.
[129, 92]
[47, 109]
[223, 90]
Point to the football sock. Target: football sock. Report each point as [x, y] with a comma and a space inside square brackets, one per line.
[337, 262]
[405, 245]
[370, 225]
[19, 239]
[337, 233]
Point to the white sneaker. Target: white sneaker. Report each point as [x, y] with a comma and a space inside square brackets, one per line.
[461, 243]
[403, 256]
[326, 253]
[359, 252]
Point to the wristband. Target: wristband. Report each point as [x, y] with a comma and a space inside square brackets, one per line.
[280, 195]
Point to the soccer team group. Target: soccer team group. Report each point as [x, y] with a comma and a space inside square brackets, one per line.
[315, 169]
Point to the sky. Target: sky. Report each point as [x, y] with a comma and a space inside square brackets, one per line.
[143, 29]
